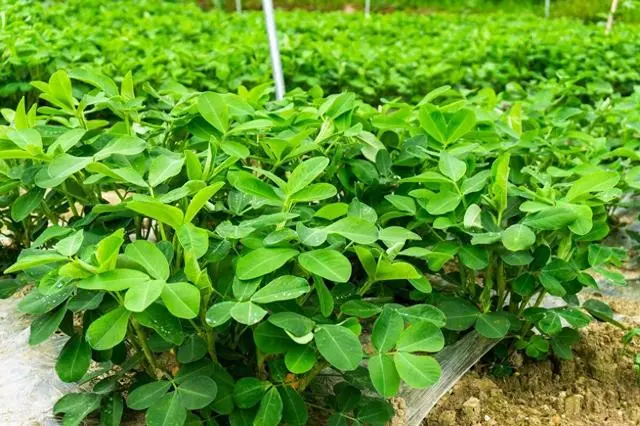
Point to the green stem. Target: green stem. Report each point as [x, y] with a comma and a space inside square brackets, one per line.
[142, 340]
[366, 287]
[306, 380]
[211, 344]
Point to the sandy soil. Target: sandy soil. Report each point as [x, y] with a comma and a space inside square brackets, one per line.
[598, 388]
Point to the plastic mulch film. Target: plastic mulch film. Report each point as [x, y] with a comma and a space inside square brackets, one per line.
[29, 386]
[455, 361]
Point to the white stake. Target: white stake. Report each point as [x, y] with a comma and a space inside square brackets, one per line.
[238, 6]
[614, 7]
[278, 79]
[547, 8]
[367, 8]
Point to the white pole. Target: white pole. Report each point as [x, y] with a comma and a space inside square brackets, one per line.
[238, 6]
[367, 8]
[614, 7]
[547, 8]
[278, 79]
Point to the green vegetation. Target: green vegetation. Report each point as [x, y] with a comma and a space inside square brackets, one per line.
[223, 250]
[392, 55]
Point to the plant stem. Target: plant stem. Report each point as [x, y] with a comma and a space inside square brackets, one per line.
[306, 380]
[145, 347]
[211, 344]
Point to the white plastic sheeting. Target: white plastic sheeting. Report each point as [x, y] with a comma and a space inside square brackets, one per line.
[29, 387]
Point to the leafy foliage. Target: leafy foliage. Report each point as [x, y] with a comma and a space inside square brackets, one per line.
[224, 249]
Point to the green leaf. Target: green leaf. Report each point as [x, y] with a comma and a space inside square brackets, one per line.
[419, 313]
[461, 123]
[387, 330]
[193, 349]
[296, 324]
[25, 204]
[108, 330]
[235, 149]
[387, 271]
[418, 371]
[158, 318]
[122, 145]
[451, 167]
[327, 263]
[474, 257]
[314, 192]
[427, 177]
[26, 139]
[550, 323]
[248, 391]
[460, 314]
[70, 245]
[200, 199]
[475, 183]
[421, 337]
[305, 173]
[31, 261]
[163, 167]
[498, 189]
[472, 217]
[518, 237]
[443, 202]
[433, 122]
[360, 308]
[599, 181]
[262, 261]
[150, 257]
[74, 359]
[524, 285]
[492, 325]
[384, 376]
[375, 412]
[111, 410]
[300, 359]
[285, 287]
[170, 215]
[355, 229]
[247, 313]
[251, 185]
[193, 239]
[219, 313]
[45, 325]
[181, 299]
[167, 411]
[551, 218]
[598, 310]
[340, 346]
[324, 296]
[115, 280]
[38, 303]
[140, 296]
[76, 406]
[270, 411]
[147, 395]
[402, 203]
[66, 141]
[213, 107]
[294, 409]
[197, 392]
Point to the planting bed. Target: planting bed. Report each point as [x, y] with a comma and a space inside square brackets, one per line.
[598, 387]
[218, 257]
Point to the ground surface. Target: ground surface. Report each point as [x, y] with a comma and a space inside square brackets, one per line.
[598, 388]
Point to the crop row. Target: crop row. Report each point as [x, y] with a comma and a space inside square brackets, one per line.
[392, 55]
[223, 250]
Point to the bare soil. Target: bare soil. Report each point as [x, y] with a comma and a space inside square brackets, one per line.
[598, 388]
